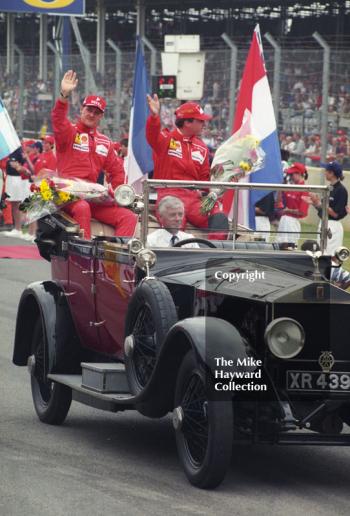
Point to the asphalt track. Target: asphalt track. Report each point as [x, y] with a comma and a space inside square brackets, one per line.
[99, 463]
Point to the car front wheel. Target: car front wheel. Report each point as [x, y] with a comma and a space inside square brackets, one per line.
[151, 313]
[51, 400]
[203, 427]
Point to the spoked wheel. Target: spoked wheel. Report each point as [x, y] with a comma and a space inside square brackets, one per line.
[151, 313]
[204, 428]
[51, 400]
[145, 342]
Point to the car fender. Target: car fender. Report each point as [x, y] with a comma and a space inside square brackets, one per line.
[45, 299]
[208, 337]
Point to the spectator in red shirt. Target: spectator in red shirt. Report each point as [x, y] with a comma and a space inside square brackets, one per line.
[47, 159]
[32, 153]
[180, 154]
[82, 152]
[295, 206]
[5, 207]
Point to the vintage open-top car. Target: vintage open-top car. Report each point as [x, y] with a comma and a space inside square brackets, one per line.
[241, 339]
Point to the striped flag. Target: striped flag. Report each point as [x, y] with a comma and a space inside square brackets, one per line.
[255, 97]
[140, 161]
[9, 140]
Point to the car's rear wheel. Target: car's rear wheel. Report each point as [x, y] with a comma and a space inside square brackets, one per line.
[203, 427]
[151, 313]
[51, 400]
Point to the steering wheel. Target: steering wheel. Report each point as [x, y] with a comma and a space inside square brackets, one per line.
[180, 243]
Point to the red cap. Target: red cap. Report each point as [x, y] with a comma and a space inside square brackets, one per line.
[296, 168]
[96, 101]
[26, 143]
[191, 110]
[49, 139]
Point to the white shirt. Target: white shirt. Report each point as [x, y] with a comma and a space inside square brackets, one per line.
[162, 238]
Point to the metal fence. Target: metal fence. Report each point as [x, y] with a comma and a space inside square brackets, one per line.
[300, 80]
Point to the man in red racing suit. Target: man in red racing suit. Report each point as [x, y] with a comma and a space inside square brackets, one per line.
[82, 152]
[180, 154]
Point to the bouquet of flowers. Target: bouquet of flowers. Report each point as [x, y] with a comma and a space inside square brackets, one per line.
[53, 193]
[236, 158]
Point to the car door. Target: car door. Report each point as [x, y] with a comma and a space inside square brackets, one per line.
[81, 291]
[114, 280]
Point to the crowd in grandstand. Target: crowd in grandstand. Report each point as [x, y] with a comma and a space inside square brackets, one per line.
[308, 149]
[299, 120]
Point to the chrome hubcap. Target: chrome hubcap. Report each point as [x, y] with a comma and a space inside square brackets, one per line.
[31, 365]
[178, 417]
[129, 345]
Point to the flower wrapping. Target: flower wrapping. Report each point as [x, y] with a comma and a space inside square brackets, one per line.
[237, 157]
[50, 194]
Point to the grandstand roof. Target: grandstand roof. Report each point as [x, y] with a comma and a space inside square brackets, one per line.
[227, 4]
[237, 18]
[303, 7]
[291, 22]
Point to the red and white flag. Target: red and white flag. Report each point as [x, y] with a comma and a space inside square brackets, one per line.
[255, 96]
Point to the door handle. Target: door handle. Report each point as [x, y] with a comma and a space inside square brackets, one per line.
[97, 324]
[67, 294]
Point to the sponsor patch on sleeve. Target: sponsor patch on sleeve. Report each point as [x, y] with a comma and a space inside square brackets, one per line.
[198, 156]
[102, 150]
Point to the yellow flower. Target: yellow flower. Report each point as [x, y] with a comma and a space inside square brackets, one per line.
[47, 195]
[44, 187]
[245, 166]
[63, 196]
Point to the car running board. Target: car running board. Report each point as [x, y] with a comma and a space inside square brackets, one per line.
[103, 386]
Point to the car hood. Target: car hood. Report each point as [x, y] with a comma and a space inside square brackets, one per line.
[257, 276]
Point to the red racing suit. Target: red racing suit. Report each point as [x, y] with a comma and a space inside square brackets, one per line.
[180, 157]
[82, 153]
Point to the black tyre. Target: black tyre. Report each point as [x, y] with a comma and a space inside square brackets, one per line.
[345, 414]
[203, 428]
[51, 400]
[151, 313]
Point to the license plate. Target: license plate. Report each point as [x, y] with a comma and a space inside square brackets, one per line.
[318, 382]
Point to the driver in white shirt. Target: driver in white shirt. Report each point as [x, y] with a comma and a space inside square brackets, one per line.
[170, 214]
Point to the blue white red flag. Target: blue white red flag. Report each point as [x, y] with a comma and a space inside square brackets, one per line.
[140, 161]
[255, 97]
[9, 140]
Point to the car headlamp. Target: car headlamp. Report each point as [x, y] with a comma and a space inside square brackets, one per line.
[145, 259]
[285, 337]
[342, 254]
[135, 245]
[124, 195]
